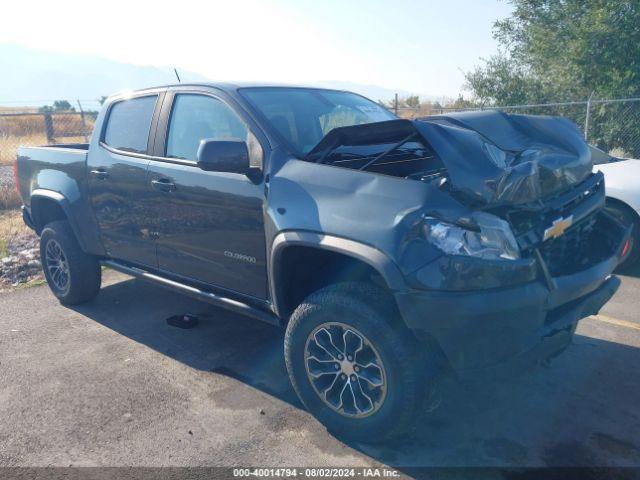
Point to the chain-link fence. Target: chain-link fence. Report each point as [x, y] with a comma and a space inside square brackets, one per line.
[612, 125]
[41, 127]
[38, 126]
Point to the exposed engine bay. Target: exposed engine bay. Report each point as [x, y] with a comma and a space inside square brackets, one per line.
[391, 148]
[485, 158]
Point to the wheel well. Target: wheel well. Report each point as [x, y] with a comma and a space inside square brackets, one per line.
[303, 270]
[45, 210]
[615, 203]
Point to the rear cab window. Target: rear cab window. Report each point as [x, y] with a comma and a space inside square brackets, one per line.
[128, 124]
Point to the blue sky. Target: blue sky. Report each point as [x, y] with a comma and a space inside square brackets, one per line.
[421, 46]
[417, 46]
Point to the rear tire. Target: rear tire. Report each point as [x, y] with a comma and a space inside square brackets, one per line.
[73, 276]
[395, 385]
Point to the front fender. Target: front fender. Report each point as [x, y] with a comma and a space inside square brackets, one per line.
[373, 257]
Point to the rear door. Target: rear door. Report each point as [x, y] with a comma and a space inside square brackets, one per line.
[210, 224]
[118, 186]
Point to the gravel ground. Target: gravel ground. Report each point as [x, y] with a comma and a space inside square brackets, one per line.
[22, 264]
[6, 175]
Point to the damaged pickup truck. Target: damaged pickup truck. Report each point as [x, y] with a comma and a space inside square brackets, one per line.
[390, 250]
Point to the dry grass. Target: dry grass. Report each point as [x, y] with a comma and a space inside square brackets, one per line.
[21, 126]
[29, 124]
[10, 224]
[9, 145]
[23, 109]
[29, 130]
[9, 198]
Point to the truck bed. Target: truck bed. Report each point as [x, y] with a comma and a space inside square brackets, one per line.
[81, 147]
[57, 165]
[56, 176]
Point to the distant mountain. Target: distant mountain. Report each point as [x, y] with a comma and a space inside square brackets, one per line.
[32, 78]
[374, 92]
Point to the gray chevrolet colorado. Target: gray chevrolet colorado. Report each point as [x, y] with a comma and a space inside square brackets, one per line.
[391, 250]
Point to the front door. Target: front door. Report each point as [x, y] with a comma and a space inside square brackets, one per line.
[209, 225]
[117, 170]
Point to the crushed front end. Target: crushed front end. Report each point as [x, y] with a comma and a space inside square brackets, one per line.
[485, 312]
[521, 250]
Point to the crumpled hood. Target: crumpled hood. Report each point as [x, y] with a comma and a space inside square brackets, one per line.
[496, 158]
[492, 158]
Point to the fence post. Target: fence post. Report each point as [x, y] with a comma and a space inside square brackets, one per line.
[48, 126]
[587, 118]
[84, 124]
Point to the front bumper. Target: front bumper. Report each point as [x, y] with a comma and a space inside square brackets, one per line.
[483, 328]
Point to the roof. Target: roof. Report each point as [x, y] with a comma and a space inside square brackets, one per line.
[232, 86]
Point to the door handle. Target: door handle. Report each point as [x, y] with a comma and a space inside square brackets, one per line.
[100, 173]
[164, 185]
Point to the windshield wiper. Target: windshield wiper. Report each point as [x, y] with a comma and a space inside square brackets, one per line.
[325, 153]
[388, 151]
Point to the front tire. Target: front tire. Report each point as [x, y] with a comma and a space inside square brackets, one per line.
[73, 276]
[356, 370]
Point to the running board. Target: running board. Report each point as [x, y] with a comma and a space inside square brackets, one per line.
[209, 297]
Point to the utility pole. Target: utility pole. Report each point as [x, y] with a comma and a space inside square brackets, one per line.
[395, 105]
[84, 124]
[588, 117]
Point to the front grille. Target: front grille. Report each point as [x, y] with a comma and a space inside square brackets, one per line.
[591, 239]
[573, 251]
[529, 224]
[587, 243]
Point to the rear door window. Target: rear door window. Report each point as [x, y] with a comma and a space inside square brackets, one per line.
[129, 123]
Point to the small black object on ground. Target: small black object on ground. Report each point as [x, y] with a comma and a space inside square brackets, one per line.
[183, 321]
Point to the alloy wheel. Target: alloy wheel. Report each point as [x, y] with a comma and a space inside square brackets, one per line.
[57, 265]
[345, 370]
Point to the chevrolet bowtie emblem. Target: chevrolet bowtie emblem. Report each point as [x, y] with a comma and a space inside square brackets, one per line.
[558, 227]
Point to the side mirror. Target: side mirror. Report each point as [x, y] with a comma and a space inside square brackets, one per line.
[230, 156]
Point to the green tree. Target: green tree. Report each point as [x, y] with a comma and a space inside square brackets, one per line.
[502, 81]
[462, 103]
[559, 50]
[412, 101]
[62, 105]
[58, 106]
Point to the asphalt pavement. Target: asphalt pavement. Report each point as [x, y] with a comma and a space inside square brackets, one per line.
[110, 383]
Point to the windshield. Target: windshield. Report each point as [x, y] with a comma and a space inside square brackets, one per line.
[304, 115]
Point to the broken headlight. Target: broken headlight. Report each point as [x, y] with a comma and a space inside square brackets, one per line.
[492, 239]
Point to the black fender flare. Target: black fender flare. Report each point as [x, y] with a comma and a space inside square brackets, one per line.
[64, 204]
[375, 258]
